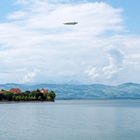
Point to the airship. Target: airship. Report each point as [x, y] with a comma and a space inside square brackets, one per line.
[70, 23]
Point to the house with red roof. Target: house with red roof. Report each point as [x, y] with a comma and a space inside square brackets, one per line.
[2, 92]
[44, 91]
[15, 90]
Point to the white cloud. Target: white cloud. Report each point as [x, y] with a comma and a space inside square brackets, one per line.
[107, 72]
[115, 63]
[93, 73]
[17, 15]
[29, 77]
[36, 38]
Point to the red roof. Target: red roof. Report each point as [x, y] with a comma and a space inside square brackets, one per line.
[44, 91]
[2, 92]
[15, 90]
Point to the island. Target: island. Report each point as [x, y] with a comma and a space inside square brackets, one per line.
[17, 95]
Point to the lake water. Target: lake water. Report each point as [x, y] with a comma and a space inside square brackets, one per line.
[71, 120]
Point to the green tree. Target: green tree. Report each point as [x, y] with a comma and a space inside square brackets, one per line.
[51, 96]
[8, 96]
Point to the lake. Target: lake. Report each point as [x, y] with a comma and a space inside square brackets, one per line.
[71, 120]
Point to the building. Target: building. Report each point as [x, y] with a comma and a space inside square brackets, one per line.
[15, 90]
[2, 92]
[44, 91]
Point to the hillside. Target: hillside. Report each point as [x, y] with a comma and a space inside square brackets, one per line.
[95, 91]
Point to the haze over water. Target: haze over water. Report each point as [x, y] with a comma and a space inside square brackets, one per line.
[71, 120]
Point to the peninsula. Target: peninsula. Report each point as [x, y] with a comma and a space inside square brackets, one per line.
[16, 94]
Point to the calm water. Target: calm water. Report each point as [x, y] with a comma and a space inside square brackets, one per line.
[71, 120]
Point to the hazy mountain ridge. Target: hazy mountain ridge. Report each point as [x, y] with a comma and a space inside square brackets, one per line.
[95, 91]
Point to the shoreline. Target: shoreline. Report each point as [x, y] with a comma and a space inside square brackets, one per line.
[10, 102]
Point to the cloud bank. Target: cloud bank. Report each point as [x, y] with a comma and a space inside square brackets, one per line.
[35, 45]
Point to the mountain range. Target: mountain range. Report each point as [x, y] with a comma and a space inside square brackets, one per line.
[95, 91]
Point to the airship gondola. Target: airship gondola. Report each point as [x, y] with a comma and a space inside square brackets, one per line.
[70, 23]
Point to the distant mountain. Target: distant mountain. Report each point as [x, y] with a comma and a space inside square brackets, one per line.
[95, 91]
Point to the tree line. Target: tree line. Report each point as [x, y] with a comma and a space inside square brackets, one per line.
[34, 95]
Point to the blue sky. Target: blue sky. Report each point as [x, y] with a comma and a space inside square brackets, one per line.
[131, 13]
[35, 46]
[131, 10]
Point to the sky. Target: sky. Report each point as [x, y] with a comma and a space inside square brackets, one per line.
[36, 47]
